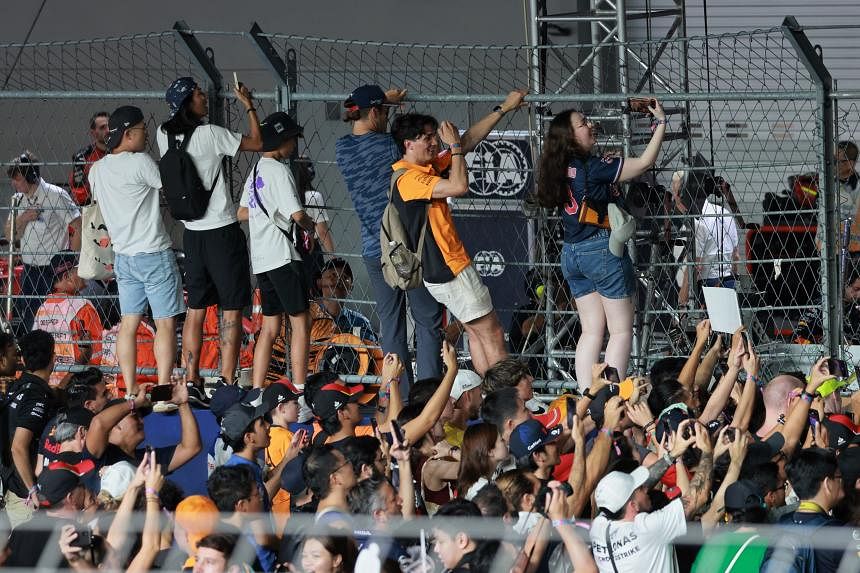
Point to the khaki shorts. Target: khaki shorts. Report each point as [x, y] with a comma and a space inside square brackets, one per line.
[467, 297]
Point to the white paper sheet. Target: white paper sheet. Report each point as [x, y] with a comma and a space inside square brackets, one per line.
[723, 309]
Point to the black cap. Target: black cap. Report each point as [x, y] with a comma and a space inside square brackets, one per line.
[120, 120]
[598, 404]
[55, 485]
[743, 494]
[238, 417]
[334, 396]
[849, 465]
[279, 392]
[278, 128]
[79, 417]
[224, 397]
[367, 96]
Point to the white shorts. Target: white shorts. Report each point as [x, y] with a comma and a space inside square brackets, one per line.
[467, 297]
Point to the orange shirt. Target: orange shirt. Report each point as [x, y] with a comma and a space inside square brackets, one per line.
[74, 323]
[444, 256]
[145, 337]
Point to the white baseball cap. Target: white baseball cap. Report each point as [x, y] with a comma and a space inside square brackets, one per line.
[117, 478]
[463, 382]
[615, 488]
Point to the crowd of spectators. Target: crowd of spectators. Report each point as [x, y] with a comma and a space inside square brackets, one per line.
[692, 467]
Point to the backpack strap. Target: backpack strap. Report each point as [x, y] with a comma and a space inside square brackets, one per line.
[186, 139]
[419, 249]
[609, 548]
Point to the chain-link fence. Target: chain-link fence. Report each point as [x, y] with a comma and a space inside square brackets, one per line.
[748, 149]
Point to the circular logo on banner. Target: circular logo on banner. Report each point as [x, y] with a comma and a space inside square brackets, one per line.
[498, 167]
[489, 263]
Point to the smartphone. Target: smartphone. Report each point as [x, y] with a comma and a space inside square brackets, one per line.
[611, 374]
[570, 403]
[84, 540]
[837, 368]
[746, 338]
[397, 431]
[641, 105]
[161, 393]
[236, 81]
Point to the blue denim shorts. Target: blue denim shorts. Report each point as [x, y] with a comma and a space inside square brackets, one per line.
[589, 266]
[149, 278]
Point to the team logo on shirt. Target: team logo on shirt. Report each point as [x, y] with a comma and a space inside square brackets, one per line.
[252, 196]
[499, 167]
[489, 263]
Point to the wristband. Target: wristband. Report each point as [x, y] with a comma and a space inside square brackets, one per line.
[606, 431]
[588, 394]
[456, 145]
[250, 109]
[560, 522]
[807, 396]
[32, 490]
[131, 405]
[151, 491]
[756, 380]
[460, 153]
[661, 122]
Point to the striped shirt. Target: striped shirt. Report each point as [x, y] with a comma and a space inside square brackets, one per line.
[365, 163]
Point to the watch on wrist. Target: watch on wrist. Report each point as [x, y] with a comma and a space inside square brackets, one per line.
[588, 394]
[499, 109]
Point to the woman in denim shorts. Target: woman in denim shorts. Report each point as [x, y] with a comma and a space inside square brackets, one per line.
[601, 283]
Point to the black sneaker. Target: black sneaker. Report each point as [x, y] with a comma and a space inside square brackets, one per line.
[197, 397]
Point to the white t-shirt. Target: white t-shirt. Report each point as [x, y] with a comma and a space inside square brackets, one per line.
[641, 545]
[716, 240]
[208, 145]
[49, 233]
[276, 189]
[126, 187]
[315, 206]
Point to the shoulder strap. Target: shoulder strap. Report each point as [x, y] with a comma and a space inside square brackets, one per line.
[609, 548]
[419, 248]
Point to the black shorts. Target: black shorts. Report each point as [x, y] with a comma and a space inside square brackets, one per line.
[284, 289]
[217, 268]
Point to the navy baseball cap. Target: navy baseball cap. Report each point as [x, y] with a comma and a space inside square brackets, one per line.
[224, 397]
[278, 128]
[178, 92]
[119, 121]
[238, 417]
[531, 435]
[743, 494]
[367, 96]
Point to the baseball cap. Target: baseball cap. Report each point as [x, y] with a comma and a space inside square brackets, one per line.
[55, 485]
[62, 266]
[333, 396]
[464, 381]
[278, 128]
[224, 397]
[238, 417]
[367, 96]
[849, 465]
[841, 431]
[598, 403]
[615, 488]
[116, 479]
[529, 436]
[79, 417]
[119, 121]
[198, 516]
[178, 92]
[279, 392]
[743, 494]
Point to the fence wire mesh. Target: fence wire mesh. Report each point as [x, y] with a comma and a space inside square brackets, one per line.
[746, 122]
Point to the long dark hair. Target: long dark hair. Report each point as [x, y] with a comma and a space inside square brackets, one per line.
[184, 120]
[479, 440]
[559, 147]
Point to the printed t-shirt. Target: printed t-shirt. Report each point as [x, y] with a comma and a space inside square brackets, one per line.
[208, 146]
[592, 177]
[49, 233]
[126, 187]
[444, 255]
[276, 190]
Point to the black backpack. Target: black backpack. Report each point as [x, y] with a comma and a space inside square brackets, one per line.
[187, 198]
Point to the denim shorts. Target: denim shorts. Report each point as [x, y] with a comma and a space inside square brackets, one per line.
[149, 278]
[589, 266]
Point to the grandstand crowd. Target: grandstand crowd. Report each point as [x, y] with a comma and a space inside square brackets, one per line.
[692, 466]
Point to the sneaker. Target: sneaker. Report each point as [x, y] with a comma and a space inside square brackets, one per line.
[197, 398]
[209, 385]
[164, 407]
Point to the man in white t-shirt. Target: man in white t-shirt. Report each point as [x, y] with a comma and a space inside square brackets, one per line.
[270, 202]
[216, 251]
[626, 536]
[47, 222]
[126, 186]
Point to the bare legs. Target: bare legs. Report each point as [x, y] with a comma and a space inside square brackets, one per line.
[300, 336]
[596, 314]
